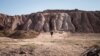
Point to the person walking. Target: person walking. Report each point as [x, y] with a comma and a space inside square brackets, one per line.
[51, 33]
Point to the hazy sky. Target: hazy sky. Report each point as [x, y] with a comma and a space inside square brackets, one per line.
[13, 7]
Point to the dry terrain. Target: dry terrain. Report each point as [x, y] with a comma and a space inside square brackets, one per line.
[60, 44]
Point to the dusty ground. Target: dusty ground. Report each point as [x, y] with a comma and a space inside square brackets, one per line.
[60, 44]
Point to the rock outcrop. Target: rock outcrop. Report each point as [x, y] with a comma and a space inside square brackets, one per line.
[54, 20]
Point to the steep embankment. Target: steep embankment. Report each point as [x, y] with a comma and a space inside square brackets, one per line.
[54, 20]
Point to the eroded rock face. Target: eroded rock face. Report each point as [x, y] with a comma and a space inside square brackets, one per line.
[54, 20]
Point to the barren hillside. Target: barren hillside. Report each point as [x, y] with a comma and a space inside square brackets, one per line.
[74, 31]
[54, 20]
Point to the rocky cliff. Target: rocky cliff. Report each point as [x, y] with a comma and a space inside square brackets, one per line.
[54, 20]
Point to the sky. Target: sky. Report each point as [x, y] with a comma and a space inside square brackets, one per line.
[18, 7]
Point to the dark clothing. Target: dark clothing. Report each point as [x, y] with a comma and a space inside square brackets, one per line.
[51, 33]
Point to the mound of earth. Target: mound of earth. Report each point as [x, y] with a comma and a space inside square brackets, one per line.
[19, 34]
[24, 34]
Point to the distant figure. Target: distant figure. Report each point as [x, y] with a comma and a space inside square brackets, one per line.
[51, 33]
